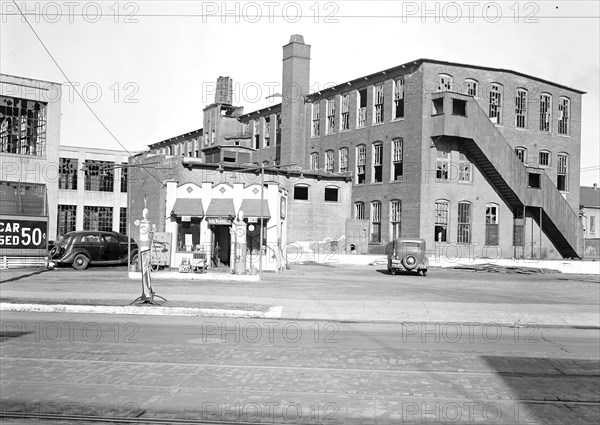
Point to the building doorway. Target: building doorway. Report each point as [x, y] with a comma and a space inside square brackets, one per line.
[221, 244]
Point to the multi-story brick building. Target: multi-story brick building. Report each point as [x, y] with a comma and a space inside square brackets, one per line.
[29, 145]
[479, 161]
[92, 191]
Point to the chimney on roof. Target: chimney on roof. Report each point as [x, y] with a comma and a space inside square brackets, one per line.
[595, 186]
[296, 83]
[224, 93]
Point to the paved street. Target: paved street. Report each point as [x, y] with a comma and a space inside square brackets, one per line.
[260, 371]
[347, 293]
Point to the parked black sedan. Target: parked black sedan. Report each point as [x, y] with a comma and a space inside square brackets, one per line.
[82, 248]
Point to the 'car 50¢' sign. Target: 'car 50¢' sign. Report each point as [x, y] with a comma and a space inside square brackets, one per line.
[23, 234]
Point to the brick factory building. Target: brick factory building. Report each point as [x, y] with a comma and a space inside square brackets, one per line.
[478, 161]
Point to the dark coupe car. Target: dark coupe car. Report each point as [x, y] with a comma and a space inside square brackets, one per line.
[82, 248]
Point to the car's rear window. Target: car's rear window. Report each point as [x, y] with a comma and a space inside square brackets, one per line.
[410, 246]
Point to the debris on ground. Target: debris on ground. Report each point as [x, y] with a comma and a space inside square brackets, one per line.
[494, 268]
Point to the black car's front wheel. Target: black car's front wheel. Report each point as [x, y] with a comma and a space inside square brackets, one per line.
[80, 262]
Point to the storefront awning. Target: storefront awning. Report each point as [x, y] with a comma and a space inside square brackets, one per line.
[188, 206]
[221, 208]
[251, 208]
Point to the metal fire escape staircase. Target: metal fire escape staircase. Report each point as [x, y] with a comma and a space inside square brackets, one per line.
[459, 117]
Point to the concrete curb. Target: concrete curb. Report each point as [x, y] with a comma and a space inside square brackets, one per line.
[272, 313]
[197, 276]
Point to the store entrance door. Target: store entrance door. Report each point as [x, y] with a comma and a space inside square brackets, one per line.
[221, 245]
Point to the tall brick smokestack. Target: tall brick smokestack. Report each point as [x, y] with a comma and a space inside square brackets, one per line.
[296, 83]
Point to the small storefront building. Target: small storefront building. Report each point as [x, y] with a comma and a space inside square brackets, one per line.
[223, 222]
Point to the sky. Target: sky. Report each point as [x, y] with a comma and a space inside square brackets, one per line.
[148, 68]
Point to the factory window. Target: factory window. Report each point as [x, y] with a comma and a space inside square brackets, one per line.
[97, 218]
[444, 82]
[267, 138]
[397, 159]
[442, 165]
[521, 108]
[314, 161]
[491, 224]
[124, 173]
[521, 154]
[315, 119]
[495, 106]
[345, 118]
[332, 194]
[329, 162]
[301, 192]
[395, 218]
[399, 97]
[534, 181]
[212, 137]
[472, 86]
[464, 222]
[359, 210]
[465, 168]
[256, 134]
[544, 159]
[375, 221]
[344, 159]
[99, 175]
[278, 129]
[592, 224]
[378, 104]
[245, 127]
[361, 153]
[67, 219]
[441, 221]
[362, 108]
[562, 172]
[123, 221]
[377, 162]
[330, 116]
[545, 111]
[22, 126]
[67, 173]
[564, 105]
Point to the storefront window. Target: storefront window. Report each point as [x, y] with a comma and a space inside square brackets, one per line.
[253, 237]
[188, 234]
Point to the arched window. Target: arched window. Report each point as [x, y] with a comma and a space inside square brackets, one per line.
[442, 209]
[301, 192]
[472, 87]
[545, 111]
[444, 82]
[343, 161]
[545, 159]
[377, 162]
[464, 222]
[491, 224]
[396, 218]
[361, 161]
[359, 210]
[564, 113]
[521, 108]
[397, 159]
[562, 172]
[521, 153]
[314, 161]
[375, 221]
[495, 103]
[329, 161]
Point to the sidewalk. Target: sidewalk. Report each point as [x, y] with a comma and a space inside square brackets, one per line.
[299, 296]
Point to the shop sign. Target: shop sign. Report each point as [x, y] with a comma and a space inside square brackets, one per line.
[186, 218]
[218, 220]
[252, 219]
[23, 234]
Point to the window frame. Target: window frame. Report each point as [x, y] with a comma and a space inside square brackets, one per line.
[562, 170]
[296, 194]
[475, 86]
[495, 103]
[359, 210]
[330, 116]
[337, 194]
[521, 100]
[564, 115]
[397, 159]
[445, 83]
[399, 94]
[442, 220]
[548, 163]
[329, 161]
[395, 218]
[343, 159]
[545, 112]
[375, 220]
[377, 162]
[379, 104]
[361, 161]
[314, 161]
[464, 221]
[315, 119]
